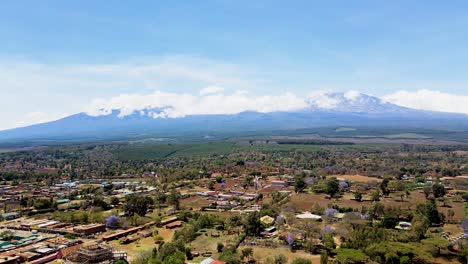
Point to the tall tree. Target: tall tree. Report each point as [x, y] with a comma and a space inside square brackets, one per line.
[333, 186]
[137, 205]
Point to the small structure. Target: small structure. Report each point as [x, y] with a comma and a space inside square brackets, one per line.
[403, 226]
[174, 224]
[10, 216]
[10, 259]
[279, 183]
[267, 220]
[97, 253]
[268, 232]
[89, 229]
[211, 261]
[144, 233]
[309, 215]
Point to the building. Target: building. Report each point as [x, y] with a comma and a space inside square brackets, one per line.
[267, 220]
[279, 184]
[10, 259]
[97, 253]
[89, 229]
[10, 216]
[174, 224]
[211, 261]
[309, 215]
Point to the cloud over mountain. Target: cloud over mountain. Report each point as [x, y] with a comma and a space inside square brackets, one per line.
[212, 100]
[430, 100]
[173, 105]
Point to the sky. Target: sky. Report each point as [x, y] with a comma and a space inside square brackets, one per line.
[63, 57]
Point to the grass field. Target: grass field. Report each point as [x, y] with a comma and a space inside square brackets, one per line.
[262, 253]
[206, 242]
[144, 244]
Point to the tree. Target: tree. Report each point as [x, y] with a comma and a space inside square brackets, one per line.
[389, 221]
[438, 190]
[429, 210]
[6, 235]
[349, 255]
[277, 259]
[384, 185]
[377, 210]
[112, 221]
[333, 186]
[328, 242]
[324, 257]
[219, 179]
[99, 202]
[301, 261]
[427, 191]
[253, 225]
[419, 225]
[115, 201]
[464, 225]
[247, 253]
[299, 184]
[358, 196]
[375, 196]
[137, 205]
[220, 247]
[174, 199]
[211, 185]
[230, 257]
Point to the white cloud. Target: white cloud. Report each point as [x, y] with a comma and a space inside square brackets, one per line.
[211, 90]
[27, 86]
[320, 99]
[173, 105]
[55, 89]
[430, 100]
[352, 95]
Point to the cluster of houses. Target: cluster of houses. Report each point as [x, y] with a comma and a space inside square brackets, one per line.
[30, 247]
[229, 199]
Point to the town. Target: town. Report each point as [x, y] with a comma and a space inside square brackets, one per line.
[260, 203]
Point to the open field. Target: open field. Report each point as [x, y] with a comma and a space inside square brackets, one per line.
[144, 244]
[206, 242]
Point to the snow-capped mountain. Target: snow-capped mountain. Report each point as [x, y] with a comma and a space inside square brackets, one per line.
[326, 109]
[353, 102]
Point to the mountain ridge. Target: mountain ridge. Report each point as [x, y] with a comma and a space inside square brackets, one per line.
[333, 109]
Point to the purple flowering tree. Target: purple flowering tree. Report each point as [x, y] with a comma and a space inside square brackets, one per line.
[112, 221]
[330, 212]
[280, 219]
[343, 185]
[290, 239]
[310, 180]
[327, 229]
[365, 216]
[464, 226]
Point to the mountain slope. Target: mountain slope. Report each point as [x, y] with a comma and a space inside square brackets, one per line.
[335, 109]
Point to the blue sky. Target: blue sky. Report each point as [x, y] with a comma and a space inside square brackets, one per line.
[56, 57]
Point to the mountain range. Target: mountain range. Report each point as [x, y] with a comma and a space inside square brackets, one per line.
[331, 109]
